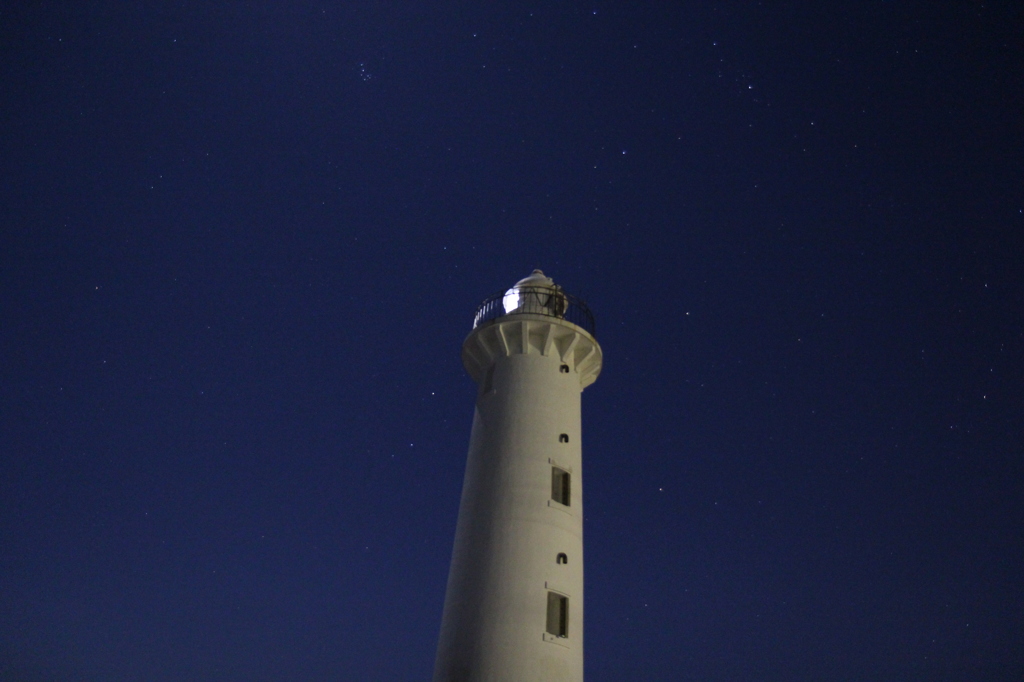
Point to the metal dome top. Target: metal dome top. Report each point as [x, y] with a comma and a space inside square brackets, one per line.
[537, 278]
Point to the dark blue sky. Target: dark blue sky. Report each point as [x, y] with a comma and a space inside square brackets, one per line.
[241, 245]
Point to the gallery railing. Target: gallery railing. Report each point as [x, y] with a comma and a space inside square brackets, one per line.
[549, 301]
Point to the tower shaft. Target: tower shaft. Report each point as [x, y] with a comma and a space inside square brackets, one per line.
[514, 602]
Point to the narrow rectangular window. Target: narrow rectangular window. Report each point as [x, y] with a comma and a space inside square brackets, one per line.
[558, 615]
[560, 486]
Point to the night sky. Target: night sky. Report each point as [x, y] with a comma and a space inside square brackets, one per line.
[241, 245]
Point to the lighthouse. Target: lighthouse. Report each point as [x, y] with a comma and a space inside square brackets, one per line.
[513, 607]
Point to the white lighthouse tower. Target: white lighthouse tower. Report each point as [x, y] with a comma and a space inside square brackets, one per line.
[514, 604]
